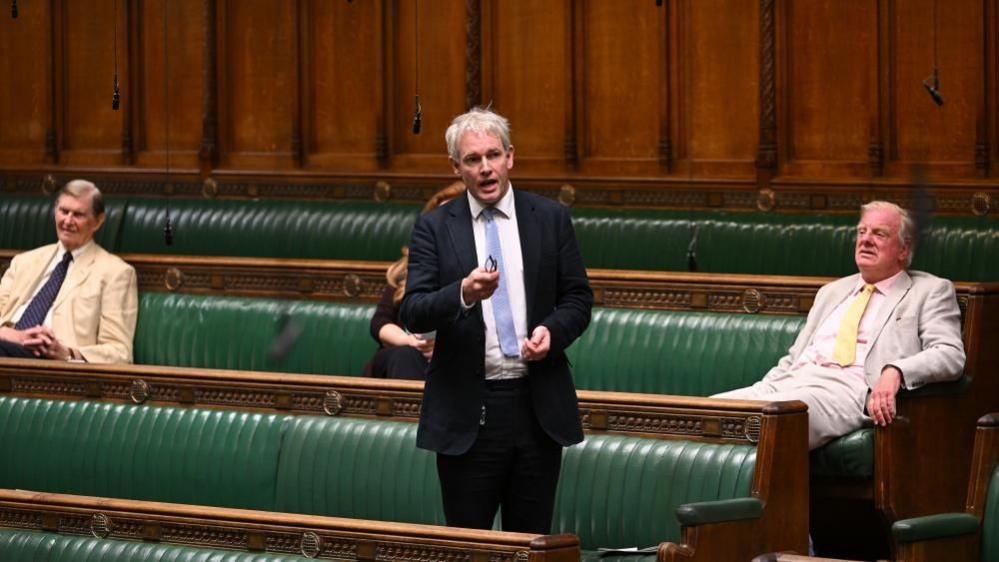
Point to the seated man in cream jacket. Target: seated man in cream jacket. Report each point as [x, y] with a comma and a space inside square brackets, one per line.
[70, 300]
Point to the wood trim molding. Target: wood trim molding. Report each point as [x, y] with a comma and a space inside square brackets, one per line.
[473, 53]
[766, 158]
[209, 151]
[273, 532]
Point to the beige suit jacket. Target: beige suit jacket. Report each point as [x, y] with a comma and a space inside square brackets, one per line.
[97, 305]
[918, 329]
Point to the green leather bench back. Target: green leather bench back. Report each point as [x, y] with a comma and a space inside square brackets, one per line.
[615, 491]
[958, 248]
[184, 330]
[357, 468]
[623, 492]
[33, 546]
[280, 229]
[677, 352]
[990, 520]
[27, 222]
[211, 457]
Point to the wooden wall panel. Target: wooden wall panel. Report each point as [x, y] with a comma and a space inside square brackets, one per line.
[621, 94]
[91, 131]
[25, 99]
[718, 107]
[182, 86]
[944, 137]
[442, 82]
[258, 84]
[830, 87]
[343, 91]
[530, 81]
[606, 95]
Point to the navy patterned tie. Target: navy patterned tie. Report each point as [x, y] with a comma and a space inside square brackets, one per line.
[40, 305]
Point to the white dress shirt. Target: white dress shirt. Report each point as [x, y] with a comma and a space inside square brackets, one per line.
[497, 365]
[44, 279]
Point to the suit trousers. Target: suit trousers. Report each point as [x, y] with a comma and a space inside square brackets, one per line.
[513, 465]
[11, 349]
[835, 399]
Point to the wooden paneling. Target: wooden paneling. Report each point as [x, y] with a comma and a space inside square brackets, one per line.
[943, 136]
[258, 85]
[530, 79]
[692, 94]
[442, 81]
[27, 92]
[829, 86]
[343, 94]
[718, 109]
[90, 129]
[181, 86]
[621, 101]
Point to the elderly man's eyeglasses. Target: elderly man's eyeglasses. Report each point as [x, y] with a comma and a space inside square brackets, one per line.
[491, 264]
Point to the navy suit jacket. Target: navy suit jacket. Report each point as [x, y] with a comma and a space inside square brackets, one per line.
[558, 296]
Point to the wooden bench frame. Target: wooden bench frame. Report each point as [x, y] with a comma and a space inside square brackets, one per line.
[780, 481]
[276, 533]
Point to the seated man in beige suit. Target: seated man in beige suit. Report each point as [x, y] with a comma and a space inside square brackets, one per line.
[868, 335]
[71, 300]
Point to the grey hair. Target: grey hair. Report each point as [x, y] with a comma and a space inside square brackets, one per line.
[479, 120]
[906, 225]
[82, 188]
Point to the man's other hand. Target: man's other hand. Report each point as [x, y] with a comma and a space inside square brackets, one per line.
[881, 402]
[536, 347]
[479, 285]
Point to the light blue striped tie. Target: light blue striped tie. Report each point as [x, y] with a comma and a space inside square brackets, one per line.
[501, 298]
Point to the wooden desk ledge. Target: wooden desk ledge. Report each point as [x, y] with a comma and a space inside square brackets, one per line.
[338, 538]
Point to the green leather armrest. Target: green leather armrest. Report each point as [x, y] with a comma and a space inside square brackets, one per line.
[702, 513]
[939, 526]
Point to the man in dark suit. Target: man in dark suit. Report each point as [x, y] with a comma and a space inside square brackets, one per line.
[498, 275]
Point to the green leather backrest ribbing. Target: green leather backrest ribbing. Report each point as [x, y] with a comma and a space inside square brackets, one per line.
[28, 222]
[990, 520]
[33, 546]
[346, 230]
[678, 352]
[369, 469]
[617, 491]
[211, 457]
[237, 333]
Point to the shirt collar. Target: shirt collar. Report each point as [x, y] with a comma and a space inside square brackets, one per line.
[881, 286]
[76, 253]
[505, 205]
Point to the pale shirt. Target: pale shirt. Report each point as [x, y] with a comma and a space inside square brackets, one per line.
[45, 277]
[820, 350]
[497, 365]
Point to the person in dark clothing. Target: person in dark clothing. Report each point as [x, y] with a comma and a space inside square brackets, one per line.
[402, 355]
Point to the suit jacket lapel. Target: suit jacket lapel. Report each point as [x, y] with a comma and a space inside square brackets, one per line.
[895, 294]
[29, 280]
[459, 227]
[77, 274]
[530, 250]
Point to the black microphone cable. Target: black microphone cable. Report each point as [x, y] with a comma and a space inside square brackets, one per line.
[418, 111]
[116, 96]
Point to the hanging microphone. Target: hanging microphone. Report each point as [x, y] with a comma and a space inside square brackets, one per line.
[13, 9]
[417, 117]
[116, 97]
[934, 88]
[692, 252]
[168, 231]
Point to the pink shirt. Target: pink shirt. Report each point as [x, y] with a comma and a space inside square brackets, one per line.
[820, 349]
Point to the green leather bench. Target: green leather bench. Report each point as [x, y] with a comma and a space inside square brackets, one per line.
[36, 546]
[959, 248]
[615, 490]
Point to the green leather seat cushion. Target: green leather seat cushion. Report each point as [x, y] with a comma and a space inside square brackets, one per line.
[211, 457]
[33, 546]
[850, 456]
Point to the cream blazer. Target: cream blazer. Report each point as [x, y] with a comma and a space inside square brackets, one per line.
[97, 305]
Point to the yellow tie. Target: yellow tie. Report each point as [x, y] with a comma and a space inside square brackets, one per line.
[845, 350]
